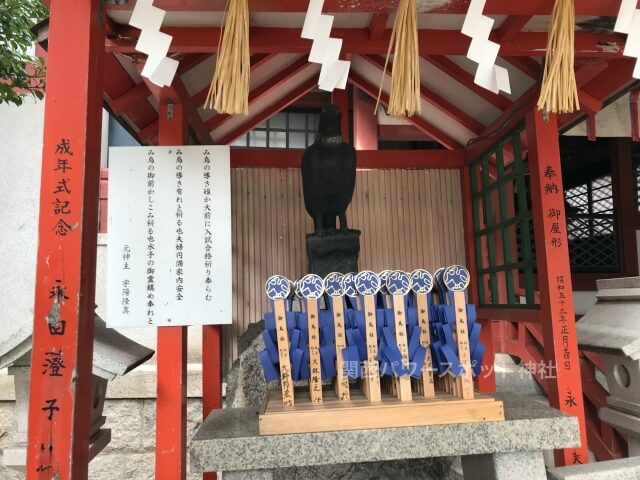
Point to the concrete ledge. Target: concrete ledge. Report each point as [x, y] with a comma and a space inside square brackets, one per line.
[229, 441]
[622, 469]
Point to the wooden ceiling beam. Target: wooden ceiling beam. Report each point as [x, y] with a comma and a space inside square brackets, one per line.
[358, 41]
[493, 7]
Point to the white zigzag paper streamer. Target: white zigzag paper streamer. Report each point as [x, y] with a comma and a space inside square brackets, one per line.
[629, 22]
[483, 51]
[325, 50]
[159, 68]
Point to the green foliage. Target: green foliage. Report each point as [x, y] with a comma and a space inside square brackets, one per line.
[17, 17]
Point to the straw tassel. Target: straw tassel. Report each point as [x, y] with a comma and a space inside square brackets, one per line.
[229, 91]
[404, 98]
[559, 92]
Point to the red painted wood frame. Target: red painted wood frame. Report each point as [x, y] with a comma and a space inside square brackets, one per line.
[60, 395]
[493, 7]
[171, 352]
[211, 375]
[365, 122]
[554, 275]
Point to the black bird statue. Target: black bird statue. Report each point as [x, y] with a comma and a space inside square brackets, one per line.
[328, 174]
[328, 181]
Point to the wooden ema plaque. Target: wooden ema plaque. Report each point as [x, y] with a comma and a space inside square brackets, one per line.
[278, 289]
[368, 284]
[441, 400]
[456, 280]
[311, 288]
[333, 286]
[398, 285]
[422, 284]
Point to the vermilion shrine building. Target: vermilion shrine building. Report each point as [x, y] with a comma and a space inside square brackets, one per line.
[536, 207]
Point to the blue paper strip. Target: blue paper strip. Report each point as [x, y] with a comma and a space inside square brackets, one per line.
[269, 370]
[270, 321]
[270, 347]
[352, 362]
[453, 364]
[296, 336]
[414, 341]
[297, 356]
[327, 358]
[417, 362]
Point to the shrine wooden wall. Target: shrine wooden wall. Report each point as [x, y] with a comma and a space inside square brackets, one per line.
[408, 218]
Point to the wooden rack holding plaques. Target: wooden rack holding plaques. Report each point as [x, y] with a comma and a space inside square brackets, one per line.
[371, 352]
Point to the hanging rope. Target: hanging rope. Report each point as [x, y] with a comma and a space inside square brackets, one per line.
[404, 98]
[559, 92]
[229, 91]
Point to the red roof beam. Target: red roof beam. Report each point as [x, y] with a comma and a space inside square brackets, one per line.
[613, 80]
[366, 159]
[267, 88]
[526, 65]
[190, 61]
[493, 7]
[511, 27]
[257, 60]
[131, 98]
[358, 41]
[378, 24]
[436, 100]
[503, 124]
[280, 105]
[191, 110]
[434, 132]
[466, 79]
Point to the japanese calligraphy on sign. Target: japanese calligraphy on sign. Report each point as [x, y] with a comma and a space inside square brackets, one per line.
[169, 236]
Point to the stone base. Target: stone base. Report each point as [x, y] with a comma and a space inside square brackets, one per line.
[15, 458]
[621, 469]
[333, 252]
[504, 466]
[421, 469]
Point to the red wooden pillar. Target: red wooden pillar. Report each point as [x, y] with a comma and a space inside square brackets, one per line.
[211, 375]
[625, 204]
[486, 381]
[365, 123]
[554, 276]
[60, 395]
[340, 98]
[171, 353]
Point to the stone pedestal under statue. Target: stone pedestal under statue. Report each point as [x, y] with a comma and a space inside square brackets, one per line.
[334, 252]
[489, 450]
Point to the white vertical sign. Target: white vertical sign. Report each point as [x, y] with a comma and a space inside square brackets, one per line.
[169, 238]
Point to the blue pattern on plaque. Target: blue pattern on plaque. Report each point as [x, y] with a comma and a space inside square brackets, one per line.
[278, 287]
[311, 286]
[367, 283]
[398, 283]
[421, 281]
[349, 285]
[333, 284]
[456, 278]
